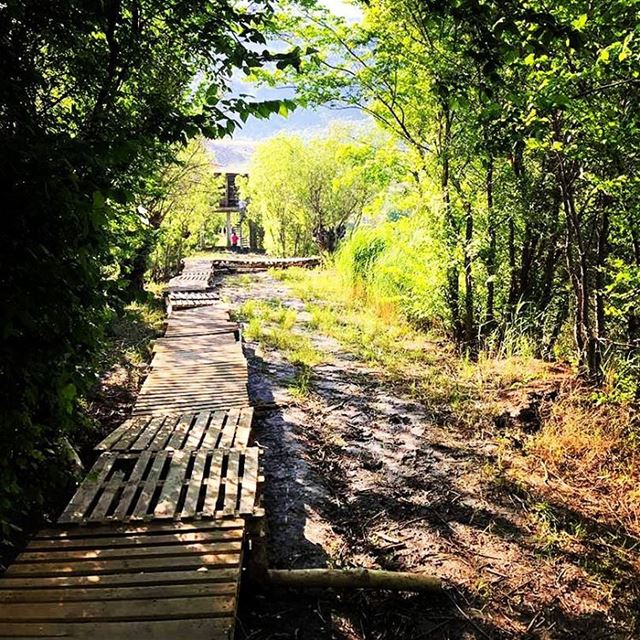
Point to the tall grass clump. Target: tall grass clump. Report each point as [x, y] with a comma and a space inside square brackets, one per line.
[397, 267]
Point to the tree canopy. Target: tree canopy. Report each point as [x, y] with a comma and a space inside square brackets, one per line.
[95, 99]
[308, 193]
[522, 121]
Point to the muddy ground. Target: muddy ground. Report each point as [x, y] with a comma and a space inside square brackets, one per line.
[359, 475]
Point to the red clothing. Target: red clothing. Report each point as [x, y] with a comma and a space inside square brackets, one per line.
[234, 240]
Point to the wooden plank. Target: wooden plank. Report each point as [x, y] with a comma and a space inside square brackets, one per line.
[132, 433]
[164, 608]
[123, 553]
[108, 494]
[148, 433]
[210, 439]
[180, 432]
[87, 489]
[231, 484]
[197, 431]
[133, 565]
[195, 484]
[127, 529]
[213, 483]
[229, 429]
[243, 430]
[202, 537]
[249, 481]
[116, 434]
[128, 495]
[164, 433]
[172, 487]
[200, 629]
[93, 580]
[145, 592]
[150, 484]
[157, 409]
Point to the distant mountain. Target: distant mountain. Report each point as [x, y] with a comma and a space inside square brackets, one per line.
[231, 156]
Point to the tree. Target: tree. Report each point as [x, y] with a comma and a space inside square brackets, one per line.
[519, 114]
[94, 98]
[182, 208]
[308, 194]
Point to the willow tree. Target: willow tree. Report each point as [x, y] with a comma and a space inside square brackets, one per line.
[308, 193]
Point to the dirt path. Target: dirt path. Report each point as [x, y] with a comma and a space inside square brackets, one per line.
[359, 475]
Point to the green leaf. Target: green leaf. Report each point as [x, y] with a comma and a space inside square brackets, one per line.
[579, 23]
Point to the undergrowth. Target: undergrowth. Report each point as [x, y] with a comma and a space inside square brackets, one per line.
[421, 361]
[585, 446]
[272, 325]
[125, 351]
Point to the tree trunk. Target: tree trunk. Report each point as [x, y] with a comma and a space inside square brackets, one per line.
[139, 265]
[451, 231]
[489, 320]
[469, 321]
[600, 283]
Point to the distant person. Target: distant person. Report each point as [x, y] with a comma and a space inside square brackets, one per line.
[234, 240]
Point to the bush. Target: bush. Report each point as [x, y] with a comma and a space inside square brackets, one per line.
[396, 265]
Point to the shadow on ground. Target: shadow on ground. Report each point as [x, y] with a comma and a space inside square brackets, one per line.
[358, 475]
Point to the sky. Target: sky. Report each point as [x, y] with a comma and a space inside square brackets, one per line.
[233, 153]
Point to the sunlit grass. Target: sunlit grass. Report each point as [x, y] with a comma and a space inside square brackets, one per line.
[272, 325]
[423, 363]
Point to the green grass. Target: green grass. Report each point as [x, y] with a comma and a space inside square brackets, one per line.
[421, 362]
[272, 325]
[130, 333]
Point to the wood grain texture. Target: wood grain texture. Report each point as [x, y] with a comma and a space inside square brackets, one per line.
[153, 581]
[167, 484]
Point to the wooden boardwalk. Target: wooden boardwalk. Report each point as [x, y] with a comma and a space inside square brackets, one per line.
[244, 263]
[150, 546]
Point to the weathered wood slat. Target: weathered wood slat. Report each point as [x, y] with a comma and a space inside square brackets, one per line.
[147, 432]
[145, 592]
[168, 576]
[191, 281]
[195, 486]
[133, 528]
[212, 493]
[204, 423]
[77, 504]
[124, 553]
[133, 565]
[129, 492]
[149, 486]
[168, 500]
[113, 542]
[231, 485]
[194, 629]
[249, 480]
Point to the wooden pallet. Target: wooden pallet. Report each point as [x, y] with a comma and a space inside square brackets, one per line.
[191, 281]
[177, 300]
[182, 484]
[217, 350]
[204, 430]
[184, 389]
[197, 264]
[157, 581]
[200, 321]
[247, 262]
